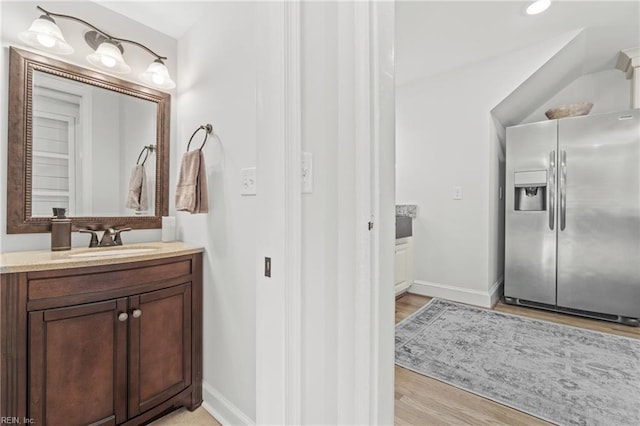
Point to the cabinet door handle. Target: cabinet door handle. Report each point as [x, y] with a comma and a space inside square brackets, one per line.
[137, 313]
[123, 317]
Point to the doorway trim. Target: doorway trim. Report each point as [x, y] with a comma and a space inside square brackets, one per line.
[293, 214]
[375, 212]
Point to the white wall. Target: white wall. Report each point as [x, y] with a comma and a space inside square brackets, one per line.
[217, 85]
[608, 90]
[445, 137]
[16, 17]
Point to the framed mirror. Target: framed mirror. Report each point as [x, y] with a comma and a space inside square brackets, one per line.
[76, 137]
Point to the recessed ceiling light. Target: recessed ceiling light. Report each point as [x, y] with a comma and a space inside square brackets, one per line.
[538, 6]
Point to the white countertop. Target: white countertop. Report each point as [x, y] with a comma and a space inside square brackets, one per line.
[39, 260]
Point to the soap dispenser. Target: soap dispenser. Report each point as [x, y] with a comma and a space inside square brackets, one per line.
[60, 230]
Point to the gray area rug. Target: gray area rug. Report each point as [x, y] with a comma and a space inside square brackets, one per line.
[561, 374]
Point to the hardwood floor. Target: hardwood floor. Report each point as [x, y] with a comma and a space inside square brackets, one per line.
[184, 417]
[420, 400]
[574, 321]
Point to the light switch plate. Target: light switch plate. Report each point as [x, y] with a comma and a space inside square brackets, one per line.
[307, 173]
[248, 181]
[457, 193]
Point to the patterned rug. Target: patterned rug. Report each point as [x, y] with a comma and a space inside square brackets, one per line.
[564, 375]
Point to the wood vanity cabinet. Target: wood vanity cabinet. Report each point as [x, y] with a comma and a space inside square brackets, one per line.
[103, 345]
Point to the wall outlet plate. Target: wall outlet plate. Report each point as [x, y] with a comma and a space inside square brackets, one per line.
[248, 181]
[457, 193]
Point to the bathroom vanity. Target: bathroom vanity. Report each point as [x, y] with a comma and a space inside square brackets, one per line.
[101, 336]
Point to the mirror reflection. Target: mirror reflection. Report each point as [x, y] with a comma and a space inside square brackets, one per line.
[88, 149]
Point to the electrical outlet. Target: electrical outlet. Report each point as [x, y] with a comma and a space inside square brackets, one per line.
[307, 173]
[248, 181]
[457, 193]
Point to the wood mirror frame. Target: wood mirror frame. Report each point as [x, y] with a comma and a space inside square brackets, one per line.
[22, 64]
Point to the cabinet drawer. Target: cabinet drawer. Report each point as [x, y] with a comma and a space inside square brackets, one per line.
[61, 285]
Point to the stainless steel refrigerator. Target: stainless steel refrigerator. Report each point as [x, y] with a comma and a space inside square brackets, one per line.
[573, 216]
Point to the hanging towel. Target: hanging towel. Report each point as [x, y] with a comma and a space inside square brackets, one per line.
[191, 193]
[138, 198]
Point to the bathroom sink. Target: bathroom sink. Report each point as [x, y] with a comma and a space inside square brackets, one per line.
[113, 252]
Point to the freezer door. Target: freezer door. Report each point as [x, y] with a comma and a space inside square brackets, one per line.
[530, 235]
[599, 234]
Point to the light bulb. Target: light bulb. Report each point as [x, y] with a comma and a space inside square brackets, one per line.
[44, 34]
[46, 40]
[107, 56]
[157, 75]
[157, 78]
[108, 61]
[538, 6]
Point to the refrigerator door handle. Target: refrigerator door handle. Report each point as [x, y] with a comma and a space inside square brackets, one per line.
[552, 189]
[563, 190]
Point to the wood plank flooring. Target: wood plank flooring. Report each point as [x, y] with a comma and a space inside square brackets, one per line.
[420, 400]
[184, 417]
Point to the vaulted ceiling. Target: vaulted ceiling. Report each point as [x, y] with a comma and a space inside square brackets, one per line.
[436, 36]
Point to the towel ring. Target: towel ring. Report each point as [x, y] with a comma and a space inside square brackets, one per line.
[146, 149]
[208, 130]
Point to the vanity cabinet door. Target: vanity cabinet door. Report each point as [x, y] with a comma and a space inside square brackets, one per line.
[77, 364]
[160, 346]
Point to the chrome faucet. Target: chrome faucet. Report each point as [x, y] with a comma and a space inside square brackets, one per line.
[107, 239]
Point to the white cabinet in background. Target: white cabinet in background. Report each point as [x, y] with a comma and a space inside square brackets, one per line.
[404, 264]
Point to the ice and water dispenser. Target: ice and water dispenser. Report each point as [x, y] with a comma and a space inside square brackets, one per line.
[530, 190]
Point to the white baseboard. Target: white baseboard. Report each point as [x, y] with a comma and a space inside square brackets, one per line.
[224, 411]
[496, 291]
[485, 299]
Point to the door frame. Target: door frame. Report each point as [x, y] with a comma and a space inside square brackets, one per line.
[379, 409]
[278, 297]
[279, 199]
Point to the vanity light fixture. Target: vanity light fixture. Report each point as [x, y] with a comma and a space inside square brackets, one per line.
[157, 75]
[108, 56]
[538, 6]
[45, 35]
